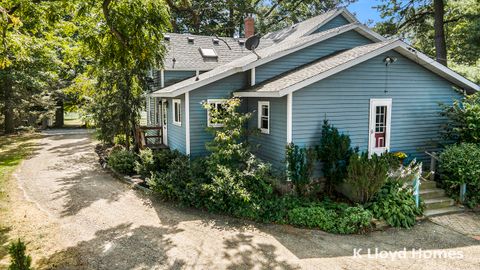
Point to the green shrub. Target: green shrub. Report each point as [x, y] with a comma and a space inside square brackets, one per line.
[19, 260]
[366, 175]
[146, 163]
[353, 220]
[340, 219]
[178, 181]
[334, 151]
[238, 180]
[313, 217]
[460, 164]
[122, 161]
[395, 204]
[464, 116]
[300, 165]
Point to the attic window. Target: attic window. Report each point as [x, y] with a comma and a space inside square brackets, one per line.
[190, 40]
[241, 42]
[215, 41]
[166, 37]
[209, 53]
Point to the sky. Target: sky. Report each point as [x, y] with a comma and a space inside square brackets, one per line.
[363, 9]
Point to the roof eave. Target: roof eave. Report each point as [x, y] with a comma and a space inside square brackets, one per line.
[437, 68]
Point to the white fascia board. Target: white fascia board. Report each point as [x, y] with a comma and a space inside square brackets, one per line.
[436, 67]
[369, 33]
[272, 57]
[339, 68]
[342, 11]
[194, 85]
[256, 94]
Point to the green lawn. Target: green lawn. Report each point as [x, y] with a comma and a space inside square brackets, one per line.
[13, 149]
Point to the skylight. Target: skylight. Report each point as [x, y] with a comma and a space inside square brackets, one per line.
[210, 53]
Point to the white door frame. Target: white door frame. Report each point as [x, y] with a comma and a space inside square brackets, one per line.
[164, 121]
[375, 102]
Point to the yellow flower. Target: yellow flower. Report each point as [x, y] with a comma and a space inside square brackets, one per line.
[400, 155]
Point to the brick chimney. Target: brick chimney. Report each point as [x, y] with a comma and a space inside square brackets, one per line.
[249, 26]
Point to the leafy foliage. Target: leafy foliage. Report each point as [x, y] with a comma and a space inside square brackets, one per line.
[225, 18]
[35, 59]
[343, 220]
[395, 204]
[460, 164]
[334, 151]
[414, 21]
[300, 165]
[366, 175]
[146, 163]
[464, 120]
[19, 259]
[238, 179]
[122, 161]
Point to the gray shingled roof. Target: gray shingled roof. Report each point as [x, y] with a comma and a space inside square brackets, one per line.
[303, 73]
[188, 57]
[237, 64]
[302, 28]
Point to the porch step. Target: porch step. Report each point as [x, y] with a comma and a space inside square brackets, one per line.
[438, 203]
[428, 185]
[431, 193]
[442, 211]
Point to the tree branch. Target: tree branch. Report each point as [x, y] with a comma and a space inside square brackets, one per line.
[113, 30]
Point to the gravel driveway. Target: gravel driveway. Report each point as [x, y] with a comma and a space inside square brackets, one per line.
[76, 216]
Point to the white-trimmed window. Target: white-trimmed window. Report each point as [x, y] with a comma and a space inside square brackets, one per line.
[177, 112]
[216, 104]
[264, 117]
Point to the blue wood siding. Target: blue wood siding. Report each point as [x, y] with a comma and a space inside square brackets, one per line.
[174, 76]
[270, 147]
[221, 89]
[343, 41]
[333, 23]
[344, 99]
[176, 134]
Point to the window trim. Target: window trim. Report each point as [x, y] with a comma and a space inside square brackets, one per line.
[260, 116]
[214, 101]
[174, 106]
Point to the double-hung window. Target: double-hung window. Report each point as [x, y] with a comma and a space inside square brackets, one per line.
[177, 112]
[264, 117]
[217, 105]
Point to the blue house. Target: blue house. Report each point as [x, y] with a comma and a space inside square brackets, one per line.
[381, 92]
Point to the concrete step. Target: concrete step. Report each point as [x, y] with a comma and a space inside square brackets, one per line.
[443, 211]
[428, 184]
[431, 193]
[437, 203]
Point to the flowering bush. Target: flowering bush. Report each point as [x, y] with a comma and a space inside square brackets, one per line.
[406, 174]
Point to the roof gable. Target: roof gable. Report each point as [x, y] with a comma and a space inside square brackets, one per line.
[328, 66]
[266, 55]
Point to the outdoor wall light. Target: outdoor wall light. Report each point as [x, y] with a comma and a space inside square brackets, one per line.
[389, 60]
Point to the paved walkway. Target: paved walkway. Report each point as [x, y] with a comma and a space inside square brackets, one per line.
[76, 216]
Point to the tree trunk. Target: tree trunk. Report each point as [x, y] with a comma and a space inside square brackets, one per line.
[8, 106]
[440, 44]
[59, 118]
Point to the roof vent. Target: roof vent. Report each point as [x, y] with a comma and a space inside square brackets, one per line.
[208, 53]
[190, 40]
[166, 37]
[241, 42]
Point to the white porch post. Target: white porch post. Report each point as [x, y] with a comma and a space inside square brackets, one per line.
[187, 123]
[252, 77]
[162, 78]
[289, 117]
